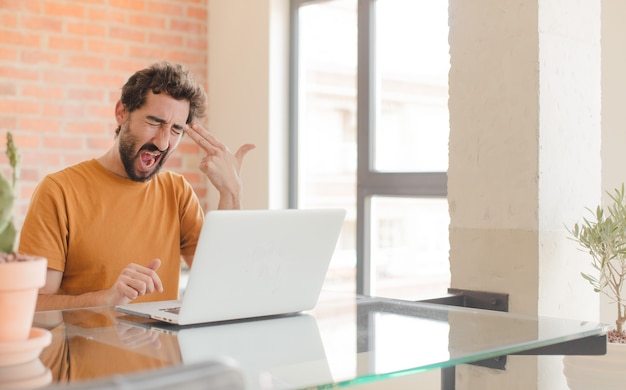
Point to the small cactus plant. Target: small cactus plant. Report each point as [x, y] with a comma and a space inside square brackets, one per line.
[8, 189]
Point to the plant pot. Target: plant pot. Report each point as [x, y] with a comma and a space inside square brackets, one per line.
[20, 281]
[604, 372]
[29, 375]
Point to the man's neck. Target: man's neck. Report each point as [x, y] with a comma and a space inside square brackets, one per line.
[112, 162]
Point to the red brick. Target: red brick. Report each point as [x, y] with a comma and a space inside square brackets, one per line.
[87, 127]
[9, 54]
[104, 111]
[197, 43]
[40, 57]
[70, 159]
[18, 73]
[11, 5]
[44, 92]
[110, 16]
[63, 142]
[174, 162]
[194, 177]
[136, 5]
[8, 37]
[106, 47]
[64, 8]
[182, 57]
[187, 26]
[166, 8]
[7, 88]
[188, 147]
[43, 23]
[115, 96]
[66, 43]
[166, 39]
[144, 51]
[127, 66]
[37, 124]
[85, 94]
[62, 109]
[100, 143]
[200, 13]
[127, 34]
[34, 7]
[8, 122]
[90, 29]
[29, 174]
[15, 106]
[86, 61]
[66, 77]
[40, 158]
[92, 2]
[142, 20]
[105, 80]
[23, 141]
[8, 20]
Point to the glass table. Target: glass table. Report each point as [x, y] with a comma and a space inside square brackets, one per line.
[345, 341]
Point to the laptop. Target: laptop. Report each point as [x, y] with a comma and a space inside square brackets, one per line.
[252, 263]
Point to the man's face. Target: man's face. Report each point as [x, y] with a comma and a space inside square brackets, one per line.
[150, 134]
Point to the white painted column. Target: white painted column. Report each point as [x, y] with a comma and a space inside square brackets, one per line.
[613, 109]
[524, 162]
[248, 92]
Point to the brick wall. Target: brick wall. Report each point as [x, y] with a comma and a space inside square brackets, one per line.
[62, 65]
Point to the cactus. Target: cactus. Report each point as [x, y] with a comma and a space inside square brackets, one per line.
[8, 189]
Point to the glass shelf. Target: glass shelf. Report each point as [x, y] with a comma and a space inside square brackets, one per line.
[345, 341]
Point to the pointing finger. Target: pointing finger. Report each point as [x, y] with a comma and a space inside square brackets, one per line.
[242, 151]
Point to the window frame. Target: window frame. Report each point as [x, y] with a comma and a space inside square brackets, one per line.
[369, 182]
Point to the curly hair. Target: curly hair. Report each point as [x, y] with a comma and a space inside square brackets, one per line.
[163, 77]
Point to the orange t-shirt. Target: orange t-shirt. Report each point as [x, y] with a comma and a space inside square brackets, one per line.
[90, 223]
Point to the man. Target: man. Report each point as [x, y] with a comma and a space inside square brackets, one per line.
[115, 228]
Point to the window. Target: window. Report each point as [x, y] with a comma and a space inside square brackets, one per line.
[370, 134]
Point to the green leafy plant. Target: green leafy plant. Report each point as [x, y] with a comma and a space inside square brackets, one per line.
[604, 237]
[8, 189]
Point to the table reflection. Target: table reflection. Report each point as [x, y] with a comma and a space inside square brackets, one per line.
[90, 344]
[87, 344]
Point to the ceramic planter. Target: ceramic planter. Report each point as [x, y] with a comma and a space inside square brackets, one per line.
[19, 285]
[604, 372]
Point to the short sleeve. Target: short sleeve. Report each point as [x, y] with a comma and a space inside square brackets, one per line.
[191, 219]
[45, 229]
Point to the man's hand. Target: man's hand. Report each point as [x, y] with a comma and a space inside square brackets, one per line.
[135, 281]
[135, 336]
[220, 165]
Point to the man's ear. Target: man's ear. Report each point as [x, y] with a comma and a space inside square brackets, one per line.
[121, 115]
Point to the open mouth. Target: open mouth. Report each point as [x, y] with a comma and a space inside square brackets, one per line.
[150, 158]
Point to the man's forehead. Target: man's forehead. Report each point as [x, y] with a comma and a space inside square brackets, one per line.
[166, 108]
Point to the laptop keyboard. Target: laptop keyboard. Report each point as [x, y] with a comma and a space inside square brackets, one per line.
[173, 310]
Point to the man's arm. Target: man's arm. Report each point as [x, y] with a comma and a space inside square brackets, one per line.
[134, 281]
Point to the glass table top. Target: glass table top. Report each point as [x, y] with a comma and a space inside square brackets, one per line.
[345, 341]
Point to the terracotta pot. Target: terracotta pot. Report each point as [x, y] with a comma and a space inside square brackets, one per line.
[604, 372]
[19, 285]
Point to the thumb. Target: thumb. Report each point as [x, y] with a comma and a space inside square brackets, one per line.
[154, 264]
[242, 151]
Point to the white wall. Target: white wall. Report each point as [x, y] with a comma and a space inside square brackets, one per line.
[613, 108]
[248, 92]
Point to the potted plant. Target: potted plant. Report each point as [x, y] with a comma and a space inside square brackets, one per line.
[21, 275]
[604, 238]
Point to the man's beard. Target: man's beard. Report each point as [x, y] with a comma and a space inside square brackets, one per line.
[128, 144]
